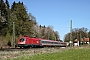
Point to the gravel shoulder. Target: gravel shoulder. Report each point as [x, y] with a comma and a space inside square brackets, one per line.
[29, 52]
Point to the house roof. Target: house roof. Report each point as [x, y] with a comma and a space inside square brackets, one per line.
[83, 40]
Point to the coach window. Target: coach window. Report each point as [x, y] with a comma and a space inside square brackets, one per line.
[56, 43]
[42, 41]
[52, 42]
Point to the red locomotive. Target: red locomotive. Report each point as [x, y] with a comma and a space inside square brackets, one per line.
[25, 41]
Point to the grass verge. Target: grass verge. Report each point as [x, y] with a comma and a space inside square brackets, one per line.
[71, 54]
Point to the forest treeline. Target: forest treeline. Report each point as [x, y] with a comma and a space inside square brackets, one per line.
[25, 23]
[77, 33]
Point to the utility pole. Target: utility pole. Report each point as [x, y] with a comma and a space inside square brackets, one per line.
[21, 29]
[0, 13]
[48, 33]
[13, 40]
[80, 39]
[71, 33]
[55, 38]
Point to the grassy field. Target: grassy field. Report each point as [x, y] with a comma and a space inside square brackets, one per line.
[71, 54]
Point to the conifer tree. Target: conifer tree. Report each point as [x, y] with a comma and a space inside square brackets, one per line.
[23, 22]
[7, 4]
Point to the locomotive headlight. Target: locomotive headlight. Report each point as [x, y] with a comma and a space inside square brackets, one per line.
[37, 41]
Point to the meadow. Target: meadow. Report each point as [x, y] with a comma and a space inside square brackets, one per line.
[70, 54]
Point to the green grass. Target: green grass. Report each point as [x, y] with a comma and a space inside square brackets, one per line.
[72, 54]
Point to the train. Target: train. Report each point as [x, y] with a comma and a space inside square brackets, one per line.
[26, 41]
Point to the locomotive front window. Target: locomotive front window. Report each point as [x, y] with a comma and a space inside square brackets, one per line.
[22, 39]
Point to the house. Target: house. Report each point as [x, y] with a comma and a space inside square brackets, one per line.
[76, 42]
[83, 40]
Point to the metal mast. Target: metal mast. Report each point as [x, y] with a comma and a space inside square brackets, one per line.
[70, 33]
[13, 34]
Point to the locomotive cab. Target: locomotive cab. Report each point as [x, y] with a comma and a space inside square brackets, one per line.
[21, 42]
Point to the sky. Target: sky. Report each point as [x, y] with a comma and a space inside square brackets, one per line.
[58, 13]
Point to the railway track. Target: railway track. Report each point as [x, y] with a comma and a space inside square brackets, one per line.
[21, 49]
[17, 49]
